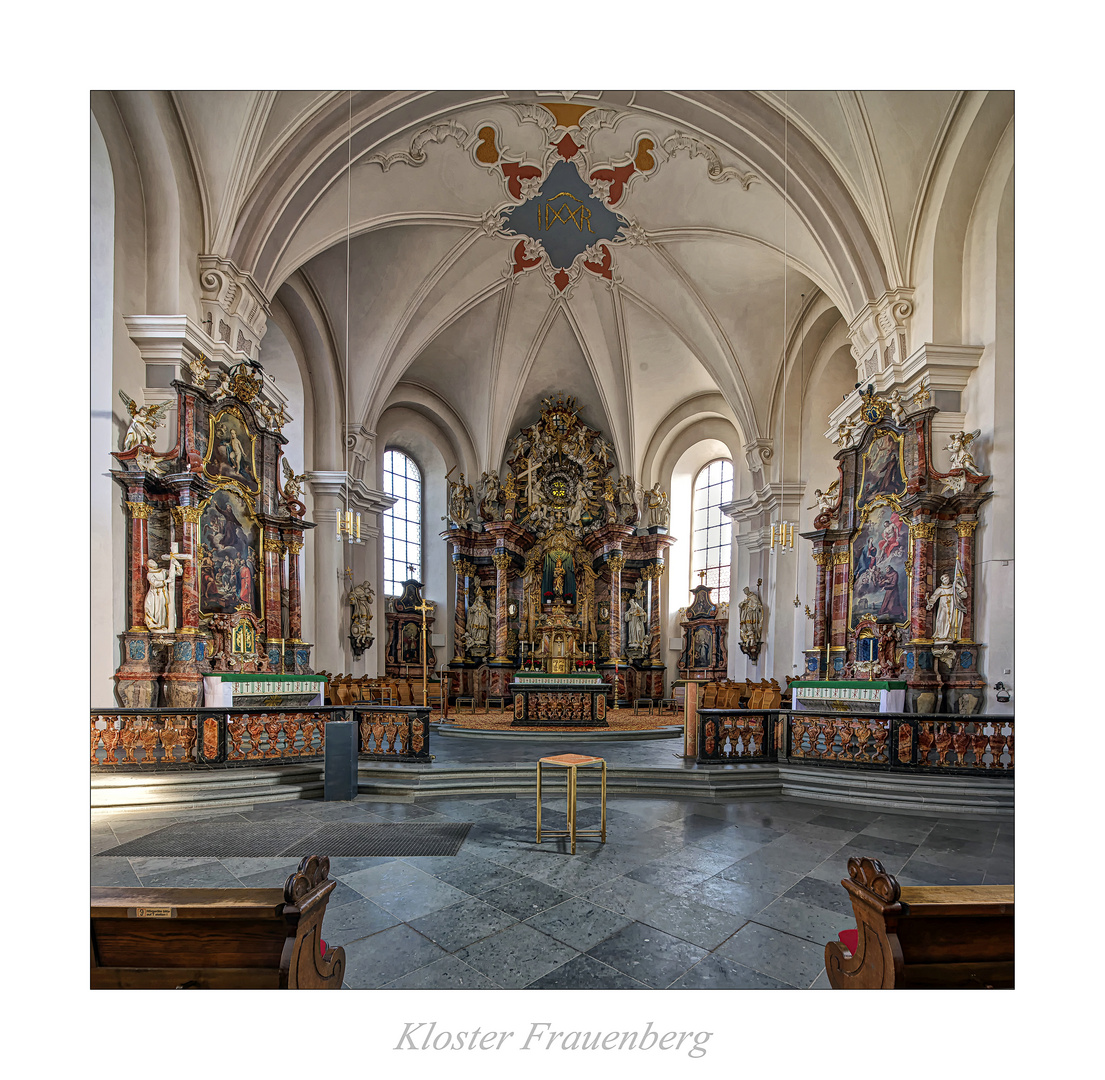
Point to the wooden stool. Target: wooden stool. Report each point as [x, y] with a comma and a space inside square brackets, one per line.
[642, 701]
[471, 701]
[500, 700]
[670, 704]
[571, 762]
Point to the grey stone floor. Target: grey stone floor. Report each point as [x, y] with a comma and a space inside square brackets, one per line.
[683, 895]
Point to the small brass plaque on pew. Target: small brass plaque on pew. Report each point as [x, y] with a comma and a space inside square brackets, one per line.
[151, 913]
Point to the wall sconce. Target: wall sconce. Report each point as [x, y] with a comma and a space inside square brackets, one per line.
[782, 533]
[1002, 692]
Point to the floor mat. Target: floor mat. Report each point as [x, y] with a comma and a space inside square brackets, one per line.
[207, 839]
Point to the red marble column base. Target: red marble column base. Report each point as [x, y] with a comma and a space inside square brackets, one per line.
[653, 683]
[498, 681]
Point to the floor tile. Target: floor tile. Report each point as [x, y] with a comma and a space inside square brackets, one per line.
[684, 917]
[516, 956]
[525, 897]
[448, 973]
[205, 874]
[822, 894]
[410, 902]
[384, 878]
[113, 871]
[372, 961]
[463, 923]
[804, 920]
[648, 955]
[718, 973]
[792, 960]
[578, 923]
[924, 872]
[586, 973]
[627, 897]
[343, 923]
[474, 875]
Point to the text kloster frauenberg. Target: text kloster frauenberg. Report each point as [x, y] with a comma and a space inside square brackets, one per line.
[425, 1035]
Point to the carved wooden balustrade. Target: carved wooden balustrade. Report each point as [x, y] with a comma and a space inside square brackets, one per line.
[393, 731]
[195, 738]
[911, 742]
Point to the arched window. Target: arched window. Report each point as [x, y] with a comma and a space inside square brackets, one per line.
[712, 531]
[403, 522]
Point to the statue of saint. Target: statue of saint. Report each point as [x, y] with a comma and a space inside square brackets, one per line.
[159, 609]
[659, 508]
[950, 599]
[558, 577]
[637, 618]
[751, 618]
[460, 502]
[360, 621]
[479, 622]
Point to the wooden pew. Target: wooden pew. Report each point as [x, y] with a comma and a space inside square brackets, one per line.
[216, 939]
[923, 937]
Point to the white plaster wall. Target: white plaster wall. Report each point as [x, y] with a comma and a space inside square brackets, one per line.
[106, 595]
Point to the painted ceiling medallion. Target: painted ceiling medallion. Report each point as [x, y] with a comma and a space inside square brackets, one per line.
[564, 218]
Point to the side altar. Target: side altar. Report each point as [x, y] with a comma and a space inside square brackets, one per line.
[894, 544]
[216, 532]
[555, 569]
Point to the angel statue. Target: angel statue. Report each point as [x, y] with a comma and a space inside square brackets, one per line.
[825, 501]
[145, 420]
[846, 433]
[221, 388]
[959, 448]
[292, 489]
[199, 370]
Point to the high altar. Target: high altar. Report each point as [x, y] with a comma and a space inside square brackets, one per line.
[552, 573]
[894, 548]
[214, 543]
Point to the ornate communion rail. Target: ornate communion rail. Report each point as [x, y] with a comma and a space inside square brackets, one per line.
[945, 743]
[191, 738]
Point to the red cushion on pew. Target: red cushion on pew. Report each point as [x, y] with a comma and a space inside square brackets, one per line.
[322, 945]
[849, 939]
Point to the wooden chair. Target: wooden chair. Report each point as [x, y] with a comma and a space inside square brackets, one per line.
[216, 939]
[923, 937]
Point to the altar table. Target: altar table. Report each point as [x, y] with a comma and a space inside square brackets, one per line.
[225, 689]
[849, 695]
[542, 700]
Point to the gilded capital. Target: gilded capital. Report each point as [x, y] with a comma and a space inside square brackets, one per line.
[841, 558]
[186, 515]
[616, 562]
[965, 528]
[274, 545]
[923, 530]
[822, 558]
[501, 560]
[139, 509]
[294, 546]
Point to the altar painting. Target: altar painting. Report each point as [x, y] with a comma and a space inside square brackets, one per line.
[230, 541]
[883, 470]
[880, 585]
[231, 451]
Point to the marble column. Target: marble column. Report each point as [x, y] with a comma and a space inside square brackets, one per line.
[501, 560]
[616, 562]
[842, 566]
[652, 574]
[274, 555]
[295, 597]
[460, 614]
[139, 553]
[922, 538]
[965, 557]
[187, 519]
[820, 603]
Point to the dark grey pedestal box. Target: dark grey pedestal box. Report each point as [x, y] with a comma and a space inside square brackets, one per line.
[340, 782]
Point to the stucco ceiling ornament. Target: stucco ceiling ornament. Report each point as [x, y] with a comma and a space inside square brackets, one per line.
[717, 172]
[416, 155]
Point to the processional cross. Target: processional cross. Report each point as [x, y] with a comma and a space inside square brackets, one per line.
[427, 609]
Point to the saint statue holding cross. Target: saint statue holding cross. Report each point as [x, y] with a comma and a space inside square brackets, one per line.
[160, 606]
